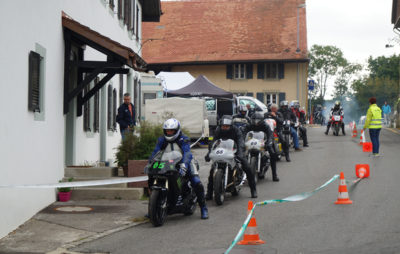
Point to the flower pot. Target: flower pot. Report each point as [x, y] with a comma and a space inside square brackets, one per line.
[64, 196]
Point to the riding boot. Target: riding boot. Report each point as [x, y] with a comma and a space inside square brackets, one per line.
[199, 190]
[327, 129]
[252, 183]
[274, 175]
[287, 156]
[343, 129]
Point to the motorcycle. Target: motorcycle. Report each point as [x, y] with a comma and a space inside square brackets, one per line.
[336, 124]
[257, 156]
[286, 132]
[277, 145]
[170, 193]
[228, 174]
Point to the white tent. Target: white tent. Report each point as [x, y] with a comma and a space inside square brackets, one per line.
[175, 80]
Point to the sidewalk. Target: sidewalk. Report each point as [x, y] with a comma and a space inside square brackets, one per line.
[64, 225]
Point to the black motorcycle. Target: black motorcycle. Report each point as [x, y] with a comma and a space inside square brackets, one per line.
[286, 132]
[170, 193]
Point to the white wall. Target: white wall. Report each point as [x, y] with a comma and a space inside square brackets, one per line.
[30, 150]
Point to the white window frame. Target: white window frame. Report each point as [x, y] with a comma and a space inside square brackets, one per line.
[268, 71]
[271, 98]
[239, 71]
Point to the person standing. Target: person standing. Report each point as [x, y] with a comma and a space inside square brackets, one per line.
[386, 112]
[374, 123]
[126, 116]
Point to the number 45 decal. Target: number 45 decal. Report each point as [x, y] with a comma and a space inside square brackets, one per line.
[159, 165]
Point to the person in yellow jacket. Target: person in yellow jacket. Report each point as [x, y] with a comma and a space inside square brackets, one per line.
[374, 123]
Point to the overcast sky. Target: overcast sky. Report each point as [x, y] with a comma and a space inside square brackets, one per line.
[360, 28]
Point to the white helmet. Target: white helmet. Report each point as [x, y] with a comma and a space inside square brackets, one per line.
[172, 124]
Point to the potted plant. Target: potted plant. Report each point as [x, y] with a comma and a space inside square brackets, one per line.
[64, 193]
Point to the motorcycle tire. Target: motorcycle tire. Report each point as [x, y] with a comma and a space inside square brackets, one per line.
[157, 208]
[253, 168]
[336, 130]
[219, 187]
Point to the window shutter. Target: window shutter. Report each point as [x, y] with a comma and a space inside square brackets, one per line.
[229, 70]
[282, 97]
[109, 108]
[114, 112]
[126, 11]
[133, 18]
[281, 71]
[96, 120]
[260, 71]
[249, 71]
[121, 88]
[137, 22]
[34, 82]
[260, 97]
[86, 111]
[250, 94]
[119, 9]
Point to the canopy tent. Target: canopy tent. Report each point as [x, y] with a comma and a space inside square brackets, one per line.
[201, 86]
[174, 80]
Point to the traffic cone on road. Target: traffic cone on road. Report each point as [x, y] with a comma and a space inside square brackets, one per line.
[251, 235]
[362, 138]
[355, 133]
[343, 198]
[362, 170]
[367, 147]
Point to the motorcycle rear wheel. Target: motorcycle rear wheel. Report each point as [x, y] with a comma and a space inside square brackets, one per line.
[157, 208]
[219, 187]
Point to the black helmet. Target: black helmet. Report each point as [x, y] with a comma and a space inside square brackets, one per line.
[225, 120]
[257, 118]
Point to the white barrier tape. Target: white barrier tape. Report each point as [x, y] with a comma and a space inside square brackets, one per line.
[202, 136]
[79, 183]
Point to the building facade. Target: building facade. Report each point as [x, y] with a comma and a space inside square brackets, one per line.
[65, 66]
[257, 48]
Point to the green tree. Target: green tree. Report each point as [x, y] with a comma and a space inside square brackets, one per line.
[343, 80]
[325, 62]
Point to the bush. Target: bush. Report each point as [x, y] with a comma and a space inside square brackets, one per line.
[138, 147]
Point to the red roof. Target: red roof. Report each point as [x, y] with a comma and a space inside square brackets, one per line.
[225, 30]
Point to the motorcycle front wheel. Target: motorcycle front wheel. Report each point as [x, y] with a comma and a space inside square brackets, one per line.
[219, 186]
[336, 133]
[157, 208]
[253, 167]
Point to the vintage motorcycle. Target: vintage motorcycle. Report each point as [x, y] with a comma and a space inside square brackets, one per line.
[336, 123]
[228, 173]
[257, 156]
[170, 193]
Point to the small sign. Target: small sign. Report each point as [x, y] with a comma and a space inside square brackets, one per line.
[311, 84]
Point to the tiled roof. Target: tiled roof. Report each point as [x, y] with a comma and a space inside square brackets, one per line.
[226, 30]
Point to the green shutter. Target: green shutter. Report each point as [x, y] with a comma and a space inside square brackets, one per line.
[281, 71]
[229, 71]
[34, 82]
[249, 71]
[260, 71]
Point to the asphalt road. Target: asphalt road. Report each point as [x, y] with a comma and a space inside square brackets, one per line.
[316, 225]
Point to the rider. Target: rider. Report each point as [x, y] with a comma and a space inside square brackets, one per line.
[258, 124]
[336, 110]
[301, 117]
[277, 116]
[288, 115]
[226, 130]
[241, 120]
[173, 135]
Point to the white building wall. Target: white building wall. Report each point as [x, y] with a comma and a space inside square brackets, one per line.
[32, 145]
[30, 151]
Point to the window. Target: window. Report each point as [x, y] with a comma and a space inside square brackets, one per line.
[114, 110]
[137, 22]
[148, 96]
[34, 82]
[270, 71]
[109, 108]
[239, 71]
[96, 116]
[86, 111]
[271, 98]
[211, 104]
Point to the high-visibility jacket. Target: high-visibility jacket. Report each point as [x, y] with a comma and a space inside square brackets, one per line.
[374, 117]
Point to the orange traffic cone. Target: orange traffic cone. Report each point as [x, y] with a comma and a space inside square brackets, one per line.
[250, 235]
[355, 133]
[362, 138]
[362, 170]
[367, 147]
[343, 198]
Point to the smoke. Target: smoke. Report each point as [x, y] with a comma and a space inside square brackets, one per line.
[350, 107]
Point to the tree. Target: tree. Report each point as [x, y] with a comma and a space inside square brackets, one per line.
[344, 78]
[325, 62]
